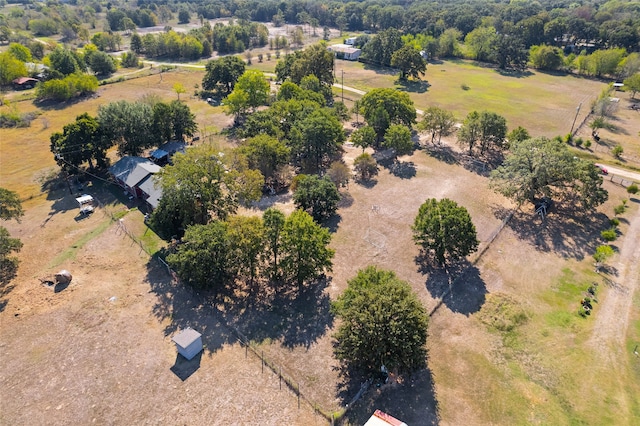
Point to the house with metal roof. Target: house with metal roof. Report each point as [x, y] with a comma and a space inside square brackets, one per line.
[135, 176]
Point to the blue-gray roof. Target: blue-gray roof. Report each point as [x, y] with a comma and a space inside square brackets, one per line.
[150, 187]
[133, 170]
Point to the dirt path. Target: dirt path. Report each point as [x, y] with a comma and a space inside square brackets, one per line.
[612, 319]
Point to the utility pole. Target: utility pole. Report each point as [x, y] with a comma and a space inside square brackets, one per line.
[575, 118]
[343, 86]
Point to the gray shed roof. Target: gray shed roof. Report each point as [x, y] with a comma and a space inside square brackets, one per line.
[186, 337]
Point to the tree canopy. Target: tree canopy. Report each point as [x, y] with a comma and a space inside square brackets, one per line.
[409, 61]
[384, 107]
[203, 184]
[438, 122]
[485, 128]
[541, 167]
[222, 73]
[383, 324]
[317, 196]
[304, 247]
[10, 208]
[445, 231]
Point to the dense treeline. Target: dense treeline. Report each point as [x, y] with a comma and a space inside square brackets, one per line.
[611, 23]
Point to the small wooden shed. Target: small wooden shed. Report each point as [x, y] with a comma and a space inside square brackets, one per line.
[188, 342]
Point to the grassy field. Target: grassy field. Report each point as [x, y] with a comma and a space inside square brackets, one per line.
[542, 103]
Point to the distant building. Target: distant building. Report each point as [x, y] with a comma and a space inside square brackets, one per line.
[24, 83]
[345, 51]
[350, 41]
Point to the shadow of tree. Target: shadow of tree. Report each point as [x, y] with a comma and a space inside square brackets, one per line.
[443, 153]
[403, 169]
[295, 316]
[333, 223]
[413, 86]
[368, 183]
[412, 400]
[460, 287]
[183, 307]
[514, 73]
[569, 234]
[8, 271]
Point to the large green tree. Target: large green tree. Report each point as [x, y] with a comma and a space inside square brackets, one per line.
[633, 84]
[246, 245]
[10, 208]
[128, 125]
[202, 185]
[317, 196]
[438, 122]
[384, 107]
[445, 231]
[203, 258]
[10, 68]
[382, 46]
[250, 91]
[305, 249]
[484, 128]
[481, 43]
[541, 167]
[316, 138]
[266, 153]
[382, 324]
[80, 142]
[222, 73]
[398, 138]
[409, 61]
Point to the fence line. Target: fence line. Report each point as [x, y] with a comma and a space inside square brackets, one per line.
[475, 261]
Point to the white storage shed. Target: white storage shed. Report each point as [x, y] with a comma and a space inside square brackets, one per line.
[188, 342]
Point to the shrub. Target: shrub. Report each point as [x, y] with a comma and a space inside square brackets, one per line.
[632, 189]
[619, 209]
[614, 222]
[609, 234]
[579, 142]
[464, 86]
[587, 144]
[568, 138]
[617, 151]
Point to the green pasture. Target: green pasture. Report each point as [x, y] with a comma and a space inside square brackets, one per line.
[544, 104]
[546, 371]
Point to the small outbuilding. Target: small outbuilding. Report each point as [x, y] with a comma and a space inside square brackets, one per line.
[188, 342]
[381, 418]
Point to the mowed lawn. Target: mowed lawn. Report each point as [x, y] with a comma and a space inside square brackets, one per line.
[544, 104]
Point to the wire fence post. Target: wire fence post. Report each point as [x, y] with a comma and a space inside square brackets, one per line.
[298, 395]
[246, 350]
[280, 375]
[262, 359]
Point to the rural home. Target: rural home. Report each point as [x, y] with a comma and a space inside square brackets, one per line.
[135, 175]
[344, 51]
